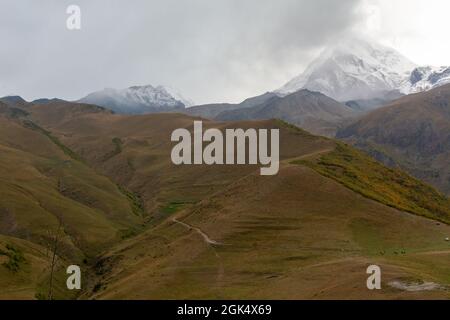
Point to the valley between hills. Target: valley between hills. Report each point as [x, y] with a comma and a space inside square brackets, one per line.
[143, 228]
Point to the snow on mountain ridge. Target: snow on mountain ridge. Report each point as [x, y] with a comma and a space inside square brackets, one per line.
[138, 99]
[178, 96]
[426, 78]
[149, 95]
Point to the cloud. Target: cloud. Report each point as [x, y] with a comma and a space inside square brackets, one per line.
[221, 50]
[417, 28]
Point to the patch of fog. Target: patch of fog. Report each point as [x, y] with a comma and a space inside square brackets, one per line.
[416, 286]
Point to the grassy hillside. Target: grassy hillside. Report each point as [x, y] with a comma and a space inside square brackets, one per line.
[134, 151]
[42, 182]
[392, 187]
[141, 227]
[297, 235]
[412, 132]
[22, 266]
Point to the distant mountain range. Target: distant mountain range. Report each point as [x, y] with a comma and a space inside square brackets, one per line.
[309, 110]
[361, 74]
[213, 110]
[347, 79]
[138, 99]
[312, 111]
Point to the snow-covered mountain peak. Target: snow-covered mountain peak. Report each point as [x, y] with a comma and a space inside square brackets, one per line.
[353, 69]
[138, 99]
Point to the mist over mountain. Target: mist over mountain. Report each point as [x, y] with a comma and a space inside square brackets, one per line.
[138, 99]
[353, 69]
[359, 69]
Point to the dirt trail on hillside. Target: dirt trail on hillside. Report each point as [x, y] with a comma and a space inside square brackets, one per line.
[308, 155]
[205, 237]
[209, 242]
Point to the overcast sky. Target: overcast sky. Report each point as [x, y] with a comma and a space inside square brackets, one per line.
[210, 50]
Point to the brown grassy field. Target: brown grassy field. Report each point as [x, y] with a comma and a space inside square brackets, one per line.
[297, 235]
[143, 228]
